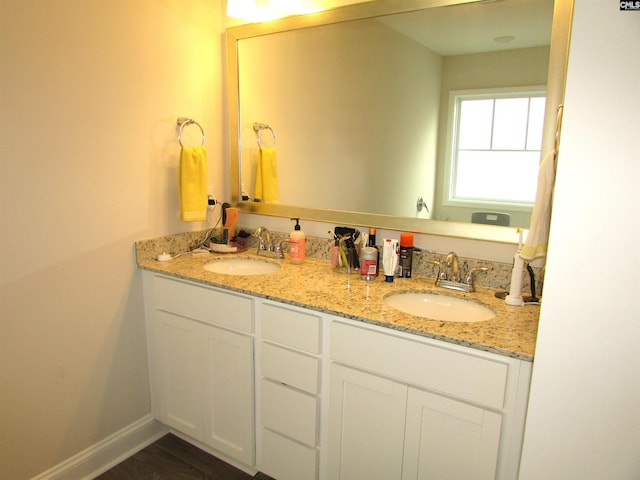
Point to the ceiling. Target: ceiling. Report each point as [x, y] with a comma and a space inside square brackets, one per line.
[472, 28]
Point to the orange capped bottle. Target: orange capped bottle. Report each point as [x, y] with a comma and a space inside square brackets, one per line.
[406, 254]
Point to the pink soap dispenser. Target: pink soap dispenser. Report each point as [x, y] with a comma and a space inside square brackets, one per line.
[297, 244]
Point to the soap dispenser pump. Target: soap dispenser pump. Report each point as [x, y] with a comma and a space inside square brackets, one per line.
[297, 243]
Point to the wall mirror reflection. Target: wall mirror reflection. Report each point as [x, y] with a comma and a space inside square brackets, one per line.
[429, 120]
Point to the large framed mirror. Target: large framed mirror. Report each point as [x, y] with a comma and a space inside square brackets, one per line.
[361, 104]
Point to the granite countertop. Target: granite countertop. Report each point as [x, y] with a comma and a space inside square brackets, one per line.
[315, 285]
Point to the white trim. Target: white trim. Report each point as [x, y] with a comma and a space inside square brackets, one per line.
[107, 453]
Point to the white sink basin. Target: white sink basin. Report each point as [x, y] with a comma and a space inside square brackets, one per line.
[241, 266]
[439, 307]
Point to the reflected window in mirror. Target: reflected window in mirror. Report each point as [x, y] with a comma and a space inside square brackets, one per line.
[496, 137]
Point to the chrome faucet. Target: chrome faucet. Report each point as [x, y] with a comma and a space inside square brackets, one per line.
[266, 246]
[448, 274]
[451, 263]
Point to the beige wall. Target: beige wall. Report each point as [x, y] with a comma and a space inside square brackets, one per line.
[90, 93]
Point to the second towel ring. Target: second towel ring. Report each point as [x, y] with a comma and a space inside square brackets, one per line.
[258, 127]
[183, 122]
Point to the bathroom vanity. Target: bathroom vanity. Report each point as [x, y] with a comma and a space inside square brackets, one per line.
[306, 373]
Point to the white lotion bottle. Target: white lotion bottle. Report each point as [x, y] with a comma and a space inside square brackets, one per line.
[389, 258]
[297, 241]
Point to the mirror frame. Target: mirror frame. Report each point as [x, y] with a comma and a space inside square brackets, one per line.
[563, 10]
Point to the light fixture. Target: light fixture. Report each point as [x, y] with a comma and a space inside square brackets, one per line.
[295, 7]
[240, 8]
[265, 10]
[251, 10]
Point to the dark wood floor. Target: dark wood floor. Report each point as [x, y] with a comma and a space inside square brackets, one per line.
[173, 458]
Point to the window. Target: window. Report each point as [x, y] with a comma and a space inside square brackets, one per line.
[495, 148]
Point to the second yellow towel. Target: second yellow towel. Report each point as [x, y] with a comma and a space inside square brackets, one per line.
[267, 175]
[192, 184]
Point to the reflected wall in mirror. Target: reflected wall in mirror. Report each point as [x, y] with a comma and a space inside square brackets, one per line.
[361, 108]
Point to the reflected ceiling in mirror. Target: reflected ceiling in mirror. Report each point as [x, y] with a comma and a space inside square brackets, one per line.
[358, 100]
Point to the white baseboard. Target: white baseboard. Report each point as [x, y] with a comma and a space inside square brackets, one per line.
[103, 455]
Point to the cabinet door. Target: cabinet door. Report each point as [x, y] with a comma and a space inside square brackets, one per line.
[366, 426]
[228, 412]
[178, 383]
[448, 439]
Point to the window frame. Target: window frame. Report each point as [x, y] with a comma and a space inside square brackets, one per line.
[451, 145]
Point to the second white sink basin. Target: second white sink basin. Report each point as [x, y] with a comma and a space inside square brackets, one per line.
[241, 266]
[439, 307]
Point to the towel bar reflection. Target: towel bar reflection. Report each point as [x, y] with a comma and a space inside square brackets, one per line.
[258, 127]
[183, 122]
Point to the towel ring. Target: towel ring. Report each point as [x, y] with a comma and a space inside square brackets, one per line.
[183, 122]
[258, 127]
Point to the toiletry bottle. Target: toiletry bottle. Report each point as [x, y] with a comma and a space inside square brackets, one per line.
[389, 258]
[406, 254]
[371, 242]
[296, 244]
[368, 263]
[335, 254]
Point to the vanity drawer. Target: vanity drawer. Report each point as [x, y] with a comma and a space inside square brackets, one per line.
[474, 378]
[289, 412]
[291, 368]
[291, 327]
[202, 303]
[284, 459]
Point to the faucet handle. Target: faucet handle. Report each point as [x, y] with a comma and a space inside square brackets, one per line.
[471, 276]
[441, 273]
[279, 253]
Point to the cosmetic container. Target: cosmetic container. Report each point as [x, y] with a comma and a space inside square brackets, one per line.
[368, 263]
[406, 254]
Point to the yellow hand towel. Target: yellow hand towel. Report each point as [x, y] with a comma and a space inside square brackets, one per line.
[538, 237]
[267, 175]
[192, 184]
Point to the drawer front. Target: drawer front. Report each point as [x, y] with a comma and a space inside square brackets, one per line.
[202, 303]
[284, 459]
[291, 368]
[473, 378]
[289, 412]
[291, 327]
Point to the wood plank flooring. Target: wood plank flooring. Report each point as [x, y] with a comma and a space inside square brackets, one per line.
[171, 458]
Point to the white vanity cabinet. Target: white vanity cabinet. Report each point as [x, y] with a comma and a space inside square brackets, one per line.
[201, 361]
[289, 379]
[406, 408]
[301, 395]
